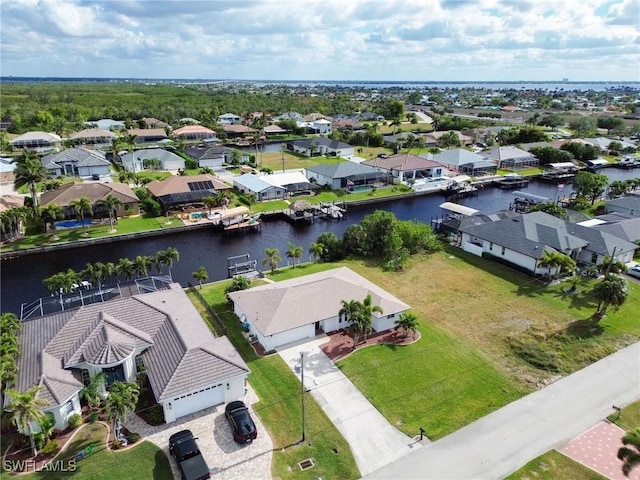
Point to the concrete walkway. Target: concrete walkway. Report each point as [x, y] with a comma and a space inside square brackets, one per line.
[374, 442]
[503, 441]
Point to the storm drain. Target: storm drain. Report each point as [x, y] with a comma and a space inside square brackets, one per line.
[306, 464]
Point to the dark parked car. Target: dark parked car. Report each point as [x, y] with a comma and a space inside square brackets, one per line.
[183, 447]
[244, 430]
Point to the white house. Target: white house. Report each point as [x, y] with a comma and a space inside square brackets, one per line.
[79, 162]
[321, 146]
[140, 160]
[320, 126]
[187, 367]
[257, 186]
[40, 142]
[228, 119]
[210, 156]
[292, 310]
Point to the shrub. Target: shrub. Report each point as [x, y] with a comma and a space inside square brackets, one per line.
[75, 420]
[133, 437]
[50, 447]
[116, 445]
[155, 415]
[93, 417]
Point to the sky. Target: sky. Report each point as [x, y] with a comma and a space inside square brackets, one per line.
[366, 40]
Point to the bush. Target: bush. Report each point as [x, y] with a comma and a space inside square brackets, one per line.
[75, 420]
[133, 437]
[116, 445]
[50, 447]
[93, 417]
[155, 415]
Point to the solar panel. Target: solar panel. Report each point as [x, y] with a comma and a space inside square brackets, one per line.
[205, 185]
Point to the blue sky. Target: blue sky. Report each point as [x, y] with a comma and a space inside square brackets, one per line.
[410, 40]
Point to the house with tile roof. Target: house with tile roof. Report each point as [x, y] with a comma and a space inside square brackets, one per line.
[150, 122]
[96, 193]
[180, 192]
[432, 139]
[148, 135]
[40, 142]
[194, 132]
[464, 162]
[94, 137]
[317, 146]
[511, 158]
[405, 167]
[229, 119]
[106, 124]
[272, 312]
[160, 333]
[78, 162]
[345, 175]
[522, 241]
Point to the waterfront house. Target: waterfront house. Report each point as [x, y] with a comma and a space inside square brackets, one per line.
[40, 142]
[511, 158]
[345, 175]
[603, 143]
[629, 204]
[160, 333]
[272, 312]
[140, 159]
[78, 162]
[229, 119]
[273, 130]
[194, 132]
[465, 162]
[181, 192]
[523, 240]
[94, 137]
[295, 183]
[290, 115]
[148, 135]
[432, 139]
[251, 184]
[238, 131]
[96, 193]
[317, 146]
[405, 167]
[211, 157]
[150, 122]
[320, 127]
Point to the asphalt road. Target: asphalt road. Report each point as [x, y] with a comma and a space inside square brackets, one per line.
[503, 441]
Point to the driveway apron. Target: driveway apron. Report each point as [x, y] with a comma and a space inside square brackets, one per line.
[373, 441]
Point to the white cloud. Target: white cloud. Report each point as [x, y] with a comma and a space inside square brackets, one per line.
[322, 39]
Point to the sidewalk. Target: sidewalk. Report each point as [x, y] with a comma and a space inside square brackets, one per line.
[373, 441]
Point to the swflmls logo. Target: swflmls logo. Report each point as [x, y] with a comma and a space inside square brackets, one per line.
[31, 466]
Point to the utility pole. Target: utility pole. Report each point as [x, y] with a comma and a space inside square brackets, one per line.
[302, 390]
[613, 259]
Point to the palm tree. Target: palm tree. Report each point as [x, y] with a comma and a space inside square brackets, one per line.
[630, 455]
[142, 264]
[612, 290]
[29, 171]
[128, 177]
[130, 140]
[26, 407]
[317, 250]
[272, 258]
[408, 322]
[210, 201]
[111, 203]
[366, 312]
[126, 267]
[200, 275]
[294, 252]
[50, 214]
[83, 207]
[170, 255]
[93, 390]
[555, 260]
[123, 396]
[396, 122]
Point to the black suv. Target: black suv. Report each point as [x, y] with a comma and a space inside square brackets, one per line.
[244, 430]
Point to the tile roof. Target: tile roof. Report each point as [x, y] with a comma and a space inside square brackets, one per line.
[95, 192]
[92, 133]
[238, 129]
[148, 153]
[401, 162]
[148, 132]
[80, 156]
[205, 153]
[183, 353]
[342, 170]
[11, 201]
[458, 156]
[28, 136]
[180, 184]
[276, 307]
[192, 129]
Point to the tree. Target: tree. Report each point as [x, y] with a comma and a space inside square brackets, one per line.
[123, 396]
[618, 188]
[316, 250]
[50, 214]
[408, 322]
[128, 177]
[630, 453]
[612, 290]
[583, 126]
[590, 185]
[94, 273]
[130, 140]
[272, 258]
[395, 123]
[349, 311]
[548, 155]
[552, 209]
[82, 207]
[200, 275]
[553, 121]
[111, 203]
[367, 308]
[557, 260]
[93, 390]
[167, 257]
[126, 267]
[142, 264]
[29, 171]
[239, 282]
[294, 252]
[449, 139]
[610, 123]
[332, 246]
[26, 407]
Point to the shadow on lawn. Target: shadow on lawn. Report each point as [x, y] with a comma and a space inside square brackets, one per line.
[585, 328]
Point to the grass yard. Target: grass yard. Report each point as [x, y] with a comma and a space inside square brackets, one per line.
[629, 418]
[273, 160]
[552, 466]
[142, 461]
[279, 407]
[124, 225]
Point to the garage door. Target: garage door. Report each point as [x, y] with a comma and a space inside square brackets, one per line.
[196, 401]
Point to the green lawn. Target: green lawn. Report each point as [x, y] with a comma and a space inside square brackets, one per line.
[553, 466]
[124, 225]
[143, 461]
[629, 418]
[273, 160]
[279, 408]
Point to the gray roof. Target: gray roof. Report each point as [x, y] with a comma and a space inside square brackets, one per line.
[82, 157]
[148, 153]
[205, 153]
[628, 230]
[507, 153]
[253, 183]
[457, 157]
[627, 202]
[276, 307]
[183, 354]
[321, 141]
[342, 170]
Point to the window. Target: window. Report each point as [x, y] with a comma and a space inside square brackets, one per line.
[67, 409]
[594, 258]
[86, 378]
[491, 246]
[391, 315]
[503, 250]
[113, 374]
[139, 364]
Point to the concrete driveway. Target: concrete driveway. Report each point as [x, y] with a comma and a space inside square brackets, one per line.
[503, 441]
[226, 458]
[374, 442]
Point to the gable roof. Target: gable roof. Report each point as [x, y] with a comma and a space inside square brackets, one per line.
[180, 184]
[628, 229]
[238, 129]
[11, 201]
[92, 133]
[93, 191]
[82, 157]
[626, 202]
[276, 307]
[205, 153]
[253, 183]
[507, 153]
[401, 162]
[182, 357]
[148, 132]
[31, 136]
[342, 170]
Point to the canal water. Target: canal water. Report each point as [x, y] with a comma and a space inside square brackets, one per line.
[21, 278]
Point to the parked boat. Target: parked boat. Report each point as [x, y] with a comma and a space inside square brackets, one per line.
[512, 180]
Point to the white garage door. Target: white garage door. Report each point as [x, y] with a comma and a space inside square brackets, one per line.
[196, 401]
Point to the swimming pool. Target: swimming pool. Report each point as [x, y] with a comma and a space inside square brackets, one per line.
[73, 223]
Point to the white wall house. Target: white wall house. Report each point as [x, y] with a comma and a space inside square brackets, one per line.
[229, 119]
